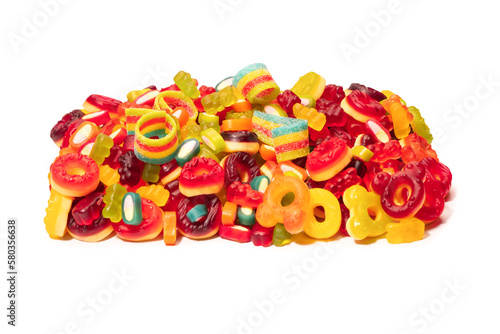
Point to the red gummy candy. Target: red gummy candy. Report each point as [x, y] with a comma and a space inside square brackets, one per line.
[333, 93]
[175, 196]
[335, 115]
[354, 127]
[440, 172]
[416, 148]
[240, 166]
[343, 180]
[59, 130]
[434, 200]
[262, 236]
[202, 228]
[404, 194]
[287, 100]
[88, 209]
[243, 195]
[385, 151]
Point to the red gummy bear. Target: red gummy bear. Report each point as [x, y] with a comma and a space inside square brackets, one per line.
[262, 236]
[385, 151]
[243, 195]
[440, 171]
[287, 100]
[343, 180]
[416, 148]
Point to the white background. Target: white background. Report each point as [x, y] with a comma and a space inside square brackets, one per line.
[436, 55]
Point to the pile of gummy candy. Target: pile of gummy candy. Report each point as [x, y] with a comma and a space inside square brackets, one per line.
[246, 161]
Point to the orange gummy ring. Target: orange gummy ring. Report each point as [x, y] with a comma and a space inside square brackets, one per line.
[74, 174]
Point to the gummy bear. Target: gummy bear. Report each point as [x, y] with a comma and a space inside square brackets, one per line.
[343, 180]
[186, 84]
[217, 101]
[113, 199]
[130, 169]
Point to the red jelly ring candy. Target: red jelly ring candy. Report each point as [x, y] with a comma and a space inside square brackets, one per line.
[203, 228]
[74, 175]
[404, 194]
[239, 166]
[150, 227]
[201, 176]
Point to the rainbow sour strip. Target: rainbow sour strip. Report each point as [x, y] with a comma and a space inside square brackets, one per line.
[167, 98]
[156, 123]
[132, 115]
[288, 136]
[256, 84]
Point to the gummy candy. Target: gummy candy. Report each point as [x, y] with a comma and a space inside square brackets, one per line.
[187, 86]
[281, 236]
[343, 180]
[59, 130]
[286, 100]
[331, 223]
[168, 100]
[158, 194]
[362, 107]
[364, 205]
[201, 176]
[419, 126]
[416, 148]
[57, 214]
[113, 200]
[407, 230]
[242, 194]
[186, 151]
[130, 169]
[256, 84]
[327, 159]
[262, 236]
[203, 228]
[239, 167]
[311, 84]
[74, 175]
[236, 233]
[149, 228]
[151, 173]
[315, 120]
[270, 211]
[101, 148]
[132, 209]
[240, 141]
[217, 101]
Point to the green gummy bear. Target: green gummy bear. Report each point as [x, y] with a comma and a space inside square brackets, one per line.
[113, 199]
[186, 84]
[215, 102]
[419, 126]
[101, 148]
[151, 173]
[239, 115]
[281, 236]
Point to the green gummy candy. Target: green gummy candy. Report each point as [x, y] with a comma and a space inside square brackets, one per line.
[419, 126]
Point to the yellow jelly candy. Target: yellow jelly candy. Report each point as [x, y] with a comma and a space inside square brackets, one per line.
[408, 230]
[156, 193]
[315, 120]
[108, 175]
[311, 84]
[333, 217]
[367, 218]
[57, 211]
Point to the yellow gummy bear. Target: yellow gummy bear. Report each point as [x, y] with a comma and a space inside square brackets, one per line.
[364, 205]
[108, 175]
[408, 230]
[311, 84]
[156, 193]
[57, 211]
[315, 120]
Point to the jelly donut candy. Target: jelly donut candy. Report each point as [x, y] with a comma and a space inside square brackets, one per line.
[311, 84]
[74, 175]
[149, 228]
[434, 200]
[240, 167]
[256, 84]
[168, 100]
[160, 150]
[327, 159]
[404, 193]
[367, 218]
[201, 176]
[56, 218]
[240, 141]
[331, 223]
[362, 107]
[271, 211]
[86, 222]
[202, 228]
